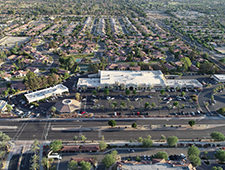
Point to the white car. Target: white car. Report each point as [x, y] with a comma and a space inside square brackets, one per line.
[32, 106]
[108, 97]
[136, 99]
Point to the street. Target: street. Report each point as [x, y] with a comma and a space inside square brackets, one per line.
[43, 130]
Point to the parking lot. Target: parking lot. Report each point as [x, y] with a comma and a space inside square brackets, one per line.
[143, 103]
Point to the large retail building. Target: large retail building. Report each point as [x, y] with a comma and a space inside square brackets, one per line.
[135, 80]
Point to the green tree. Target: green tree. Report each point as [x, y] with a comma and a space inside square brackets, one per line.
[123, 104]
[106, 91]
[147, 142]
[172, 140]
[147, 105]
[9, 108]
[108, 160]
[153, 105]
[112, 123]
[102, 145]
[217, 168]
[127, 91]
[56, 145]
[35, 146]
[75, 137]
[85, 165]
[83, 138]
[72, 165]
[5, 92]
[77, 96]
[114, 104]
[94, 92]
[134, 92]
[162, 91]
[161, 155]
[176, 103]
[186, 63]
[140, 139]
[66, 75]
[220, 154]
[134, 125]
[182, 93]
[53, 109]
[193, 150]
[46, 162]
[114, 154]
[162, 138]
[195, 160]
[138, 159]
[191, 123]
[217, 136]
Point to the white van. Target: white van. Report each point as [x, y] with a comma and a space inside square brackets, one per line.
[55, 156]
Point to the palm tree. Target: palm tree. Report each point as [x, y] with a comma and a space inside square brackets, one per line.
[109, 101]
[99, 87]
[84, 88]
[53, 109]
[140, 102]
[9, 108]
[149, 88]
[35, 147]
[2, 154]
[102, 107]
[169, 107]
[128, 102]
[131, 107]
[160, 107]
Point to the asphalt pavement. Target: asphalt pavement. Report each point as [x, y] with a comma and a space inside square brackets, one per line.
[42, 130]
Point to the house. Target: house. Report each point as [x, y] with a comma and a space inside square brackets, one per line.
[12, 57]
[145, 59]
[19, 73]
[7, 76]
[89, 148]
[169, 66]
[33, 69]
[70, 149]
[111, 66]
[193, 68]
[135, 68]
[178, 63]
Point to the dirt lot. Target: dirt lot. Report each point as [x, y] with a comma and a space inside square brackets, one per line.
[11, 41]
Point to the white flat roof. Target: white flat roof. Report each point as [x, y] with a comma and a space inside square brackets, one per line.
[89, 82]
[157, 166]
[3, 104]
[183, 83]
[220, 76]
[153, 78]
[45, 93]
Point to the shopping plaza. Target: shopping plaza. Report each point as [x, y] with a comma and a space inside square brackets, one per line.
[135, 80]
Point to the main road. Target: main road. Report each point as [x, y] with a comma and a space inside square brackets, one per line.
[52, 130]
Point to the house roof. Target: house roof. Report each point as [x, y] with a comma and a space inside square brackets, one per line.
[67, 105]
[89, 148]
[70, 149]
